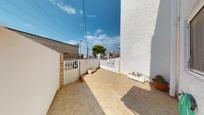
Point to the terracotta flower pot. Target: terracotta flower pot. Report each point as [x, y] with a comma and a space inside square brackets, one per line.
[163, 86]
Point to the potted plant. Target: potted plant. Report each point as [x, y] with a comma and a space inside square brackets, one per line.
[160, 83]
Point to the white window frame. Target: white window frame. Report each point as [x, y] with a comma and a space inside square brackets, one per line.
[189, 70]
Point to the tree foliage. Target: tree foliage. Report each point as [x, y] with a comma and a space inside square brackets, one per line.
[98, 49]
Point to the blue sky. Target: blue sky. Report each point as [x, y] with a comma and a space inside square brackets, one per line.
[63, 20]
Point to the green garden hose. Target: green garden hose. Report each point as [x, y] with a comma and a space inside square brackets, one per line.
[186, 105]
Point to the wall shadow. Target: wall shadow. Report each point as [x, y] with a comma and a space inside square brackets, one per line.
[145, 102]
[160, 45]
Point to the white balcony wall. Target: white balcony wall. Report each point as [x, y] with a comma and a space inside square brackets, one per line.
[145, 37]
[86, 64]
[29, 75]
[111, 64]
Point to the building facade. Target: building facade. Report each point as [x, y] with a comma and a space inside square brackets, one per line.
[165, 37]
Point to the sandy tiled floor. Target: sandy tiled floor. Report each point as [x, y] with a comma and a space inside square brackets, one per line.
[107, 93]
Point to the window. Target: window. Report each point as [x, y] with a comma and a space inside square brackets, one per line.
[197, 43]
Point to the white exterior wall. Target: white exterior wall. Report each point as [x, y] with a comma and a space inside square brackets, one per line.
[29, 75]
[188, 82]
[145, 37]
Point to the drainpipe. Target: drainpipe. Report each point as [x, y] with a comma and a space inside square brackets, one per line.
[175, 36]
[178, 43]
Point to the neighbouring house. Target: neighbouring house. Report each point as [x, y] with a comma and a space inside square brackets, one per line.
[165, 37]
[69, 51]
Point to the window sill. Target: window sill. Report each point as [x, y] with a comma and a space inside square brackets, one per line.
[194, 74]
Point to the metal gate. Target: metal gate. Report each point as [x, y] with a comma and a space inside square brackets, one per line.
[71, 71]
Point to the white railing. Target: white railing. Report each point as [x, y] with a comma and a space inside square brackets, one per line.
[111, 64]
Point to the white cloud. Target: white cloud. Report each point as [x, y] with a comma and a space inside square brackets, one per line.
[96, 37]
[66, 8]
[99, 37]
[73, 42]
[99, 31]
[91, 37]
[92, 16]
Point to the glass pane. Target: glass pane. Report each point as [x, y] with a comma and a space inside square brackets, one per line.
[197, 42]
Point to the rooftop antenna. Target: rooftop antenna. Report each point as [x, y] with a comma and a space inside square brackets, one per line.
[85, 26]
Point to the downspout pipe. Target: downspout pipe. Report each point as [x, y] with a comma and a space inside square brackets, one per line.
[175, 36]
[178, 44]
